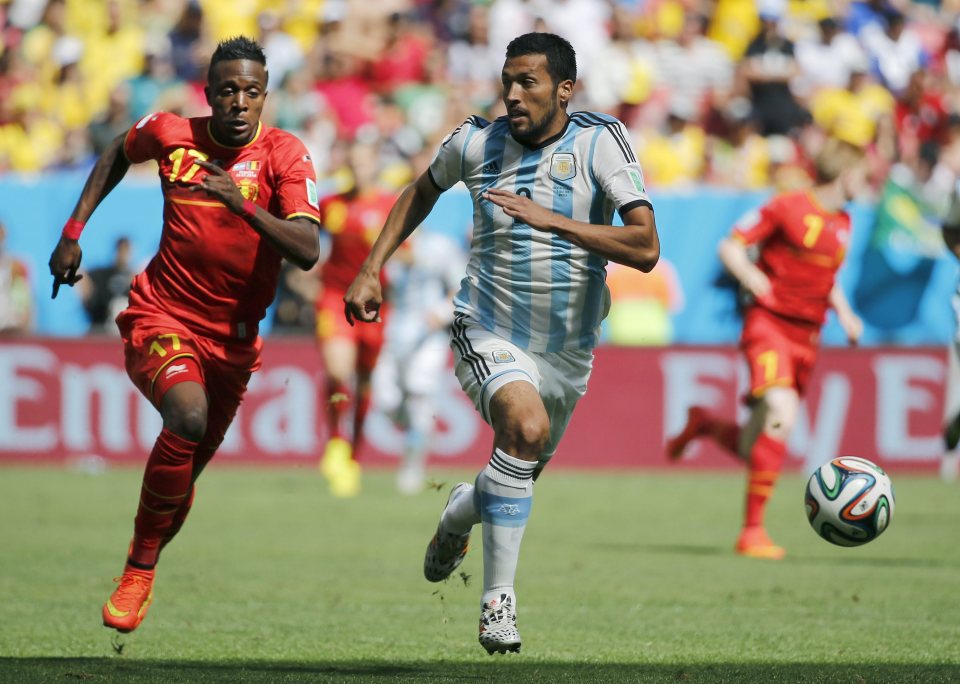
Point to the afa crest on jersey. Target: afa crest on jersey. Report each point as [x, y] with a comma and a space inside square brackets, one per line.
[563, 166]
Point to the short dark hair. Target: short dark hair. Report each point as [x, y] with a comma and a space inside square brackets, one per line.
[828, 24]
[561, 58]
[238, 47]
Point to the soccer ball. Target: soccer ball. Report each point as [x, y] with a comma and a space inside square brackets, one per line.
[849, 501]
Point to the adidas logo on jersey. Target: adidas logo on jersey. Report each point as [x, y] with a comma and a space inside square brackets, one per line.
[491, 168]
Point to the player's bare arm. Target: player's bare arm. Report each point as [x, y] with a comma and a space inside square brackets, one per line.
[849, 321]
[297, 240]
[109, 170]
[635, 244]
[364, 297]
[733, 255]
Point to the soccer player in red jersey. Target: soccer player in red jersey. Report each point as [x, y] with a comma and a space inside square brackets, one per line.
[802, 238]
[353, 221]
[238, 197]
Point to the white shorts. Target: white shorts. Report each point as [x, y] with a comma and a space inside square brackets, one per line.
[485, 362]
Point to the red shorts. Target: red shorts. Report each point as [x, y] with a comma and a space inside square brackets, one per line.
[160, 353]
[780, 352]
[332, 323]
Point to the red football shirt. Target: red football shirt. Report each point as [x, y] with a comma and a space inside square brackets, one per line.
[353, 222]
[801, 248]
[213, 271]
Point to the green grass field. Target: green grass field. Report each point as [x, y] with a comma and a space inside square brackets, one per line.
[623, 578]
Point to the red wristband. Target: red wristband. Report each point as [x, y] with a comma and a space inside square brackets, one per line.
[73, 228]
[248, 208]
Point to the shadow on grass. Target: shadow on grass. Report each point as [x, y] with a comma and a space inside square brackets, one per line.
[514, 669]
[874, 562]
[688, 549]
[846, 559]
[681, 549]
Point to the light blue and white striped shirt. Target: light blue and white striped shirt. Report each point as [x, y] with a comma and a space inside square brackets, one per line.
[532, 287]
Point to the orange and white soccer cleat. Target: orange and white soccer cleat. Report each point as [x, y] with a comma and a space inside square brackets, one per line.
[128, 604]
[754, 543]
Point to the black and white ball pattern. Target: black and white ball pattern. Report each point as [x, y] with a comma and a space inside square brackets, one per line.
[849, 501]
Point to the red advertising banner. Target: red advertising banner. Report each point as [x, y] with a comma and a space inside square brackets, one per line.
[71, 398]
[882, 404]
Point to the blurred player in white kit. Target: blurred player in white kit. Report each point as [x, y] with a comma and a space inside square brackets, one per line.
[413, 362]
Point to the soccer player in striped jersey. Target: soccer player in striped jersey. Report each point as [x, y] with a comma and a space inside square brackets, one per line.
[802, 239]
[545, 185]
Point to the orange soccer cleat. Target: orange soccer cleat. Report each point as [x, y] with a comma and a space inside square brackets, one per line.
[693, 429]
[127, 605]
[754, 543]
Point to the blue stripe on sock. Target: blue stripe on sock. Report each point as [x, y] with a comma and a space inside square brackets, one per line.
[505, 511]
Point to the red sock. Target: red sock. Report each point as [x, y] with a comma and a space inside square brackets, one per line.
[178, 518]
[724, 433]
[218, 421]
[766, 462]
[338, 406]
[359, 417]
[166, 485]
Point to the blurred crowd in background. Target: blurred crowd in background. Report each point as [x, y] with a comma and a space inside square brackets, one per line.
[732, 93]
[728, 92]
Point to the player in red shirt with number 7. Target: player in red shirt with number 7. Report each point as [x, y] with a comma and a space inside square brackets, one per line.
[802, 239]
[238, 198]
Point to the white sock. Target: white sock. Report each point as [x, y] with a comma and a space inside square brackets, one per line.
[505, 487]
[950, 466]
[419, 430]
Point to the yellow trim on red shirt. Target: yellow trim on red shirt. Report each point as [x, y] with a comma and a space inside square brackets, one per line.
[779, 382]
[813, 257]
[197, 203]
[303, 213]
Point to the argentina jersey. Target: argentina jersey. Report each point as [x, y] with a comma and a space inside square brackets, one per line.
[532, 287]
